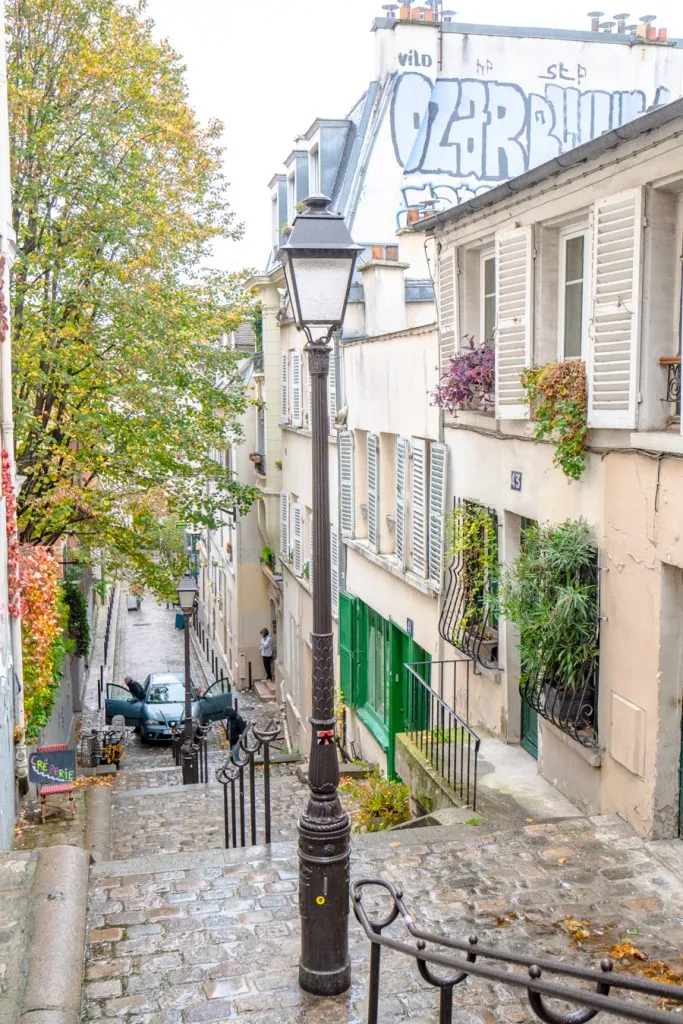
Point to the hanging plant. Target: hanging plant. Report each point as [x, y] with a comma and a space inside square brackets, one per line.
[556, 396]
[44, 623]
[469, 380]
[550, 594]
[473, 539]
[79, 627]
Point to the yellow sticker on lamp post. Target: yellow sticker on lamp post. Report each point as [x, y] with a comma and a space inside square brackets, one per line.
[320, 900]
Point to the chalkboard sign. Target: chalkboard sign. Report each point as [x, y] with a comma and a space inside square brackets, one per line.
[51, 767]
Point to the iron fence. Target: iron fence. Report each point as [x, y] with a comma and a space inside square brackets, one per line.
[107, 632]
[468, 618]
[238, 811]
[199, 750]
[571, 708]
[507, 968]
[441, 735]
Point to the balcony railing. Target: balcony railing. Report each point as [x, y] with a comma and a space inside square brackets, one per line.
[468, 622]
[571, 708]
[257, 362]
[441, 735]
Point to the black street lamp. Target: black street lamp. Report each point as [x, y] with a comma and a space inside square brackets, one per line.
[187, 593]
[319, 260]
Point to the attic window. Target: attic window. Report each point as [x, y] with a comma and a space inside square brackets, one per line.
[314, 171]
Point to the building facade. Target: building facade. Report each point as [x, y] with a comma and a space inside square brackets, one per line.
[586, 274]
[452, 112]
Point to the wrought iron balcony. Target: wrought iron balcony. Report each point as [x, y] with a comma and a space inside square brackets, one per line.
[257, 362]
[673, 383]
[468, 619]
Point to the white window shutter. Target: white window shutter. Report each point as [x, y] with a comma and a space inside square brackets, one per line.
[332, 389]
[310, 549]
[373, 491]
[437, 503]
[306, 390]
[448, 307]
[334, 565]
[615, 322]
[402, 451]
[297, 417]
[284, 388]
[346, 495]
[513, 320]
[419, 561]
[284, 525]
[298, 542]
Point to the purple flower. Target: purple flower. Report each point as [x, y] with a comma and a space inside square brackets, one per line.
[468, 380]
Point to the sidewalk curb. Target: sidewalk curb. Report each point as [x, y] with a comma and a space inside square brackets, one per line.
[98, 822]
[57, 915]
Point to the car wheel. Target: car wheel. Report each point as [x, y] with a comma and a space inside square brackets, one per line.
[143, 738]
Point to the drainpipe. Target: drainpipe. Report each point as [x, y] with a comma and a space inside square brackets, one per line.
[7, 247]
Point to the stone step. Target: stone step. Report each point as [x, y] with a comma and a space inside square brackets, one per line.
[265, 690]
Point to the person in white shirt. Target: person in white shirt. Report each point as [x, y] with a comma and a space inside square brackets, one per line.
[266, 645]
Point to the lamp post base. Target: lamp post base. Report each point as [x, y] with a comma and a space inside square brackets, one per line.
[325, 983]
[324, 863]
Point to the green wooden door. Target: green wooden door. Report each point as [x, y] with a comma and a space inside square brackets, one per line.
[529, 730]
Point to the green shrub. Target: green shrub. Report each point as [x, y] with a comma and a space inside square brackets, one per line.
[78, 631]
[377, 802]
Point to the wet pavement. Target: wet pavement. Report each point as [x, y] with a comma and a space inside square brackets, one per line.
[215, 937]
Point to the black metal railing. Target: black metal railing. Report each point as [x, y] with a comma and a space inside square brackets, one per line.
[199, 750]
[571, 708]
[107, 632]
[441, 735]
[257, 362]
[506, 968]
[240, 812]
[468, 619]
[673, 382]
[209, 653]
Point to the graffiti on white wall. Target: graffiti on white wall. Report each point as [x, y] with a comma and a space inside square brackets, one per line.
[459, 136]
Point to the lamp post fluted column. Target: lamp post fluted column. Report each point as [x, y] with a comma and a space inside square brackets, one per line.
[324, 828]
[187, 592]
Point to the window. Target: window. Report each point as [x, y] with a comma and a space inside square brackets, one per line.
[488, 297]
[291, 199]
[314, 173]
[274, 222]
[573, 305]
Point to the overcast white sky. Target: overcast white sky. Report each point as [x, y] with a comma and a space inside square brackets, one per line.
[268, 68]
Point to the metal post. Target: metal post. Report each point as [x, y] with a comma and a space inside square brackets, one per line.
[324, 967]
[188, 757]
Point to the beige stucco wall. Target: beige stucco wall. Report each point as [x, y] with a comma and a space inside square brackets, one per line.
[641, 676]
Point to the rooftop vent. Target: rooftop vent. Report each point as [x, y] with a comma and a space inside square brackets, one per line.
[621, 20]
[390, 9]
[595, 20]
[607, 26]
[449, 15]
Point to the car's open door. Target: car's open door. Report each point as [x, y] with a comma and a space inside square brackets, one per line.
[214, 704]
[119, 701]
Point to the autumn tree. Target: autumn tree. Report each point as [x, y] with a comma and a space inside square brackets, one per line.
[125, 395]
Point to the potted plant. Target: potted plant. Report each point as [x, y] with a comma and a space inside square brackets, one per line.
[557, 399]
[550, 594]
[469, 379]
[268, 558]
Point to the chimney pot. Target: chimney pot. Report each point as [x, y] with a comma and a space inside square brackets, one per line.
[607, 26]
[621, 20]
[595, 20]
[661, 35]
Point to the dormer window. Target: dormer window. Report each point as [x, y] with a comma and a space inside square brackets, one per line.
[314, 174]
[291, 198]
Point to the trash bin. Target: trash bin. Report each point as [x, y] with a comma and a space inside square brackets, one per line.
[179, 620]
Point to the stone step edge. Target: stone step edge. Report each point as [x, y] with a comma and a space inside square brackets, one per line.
[462, 837]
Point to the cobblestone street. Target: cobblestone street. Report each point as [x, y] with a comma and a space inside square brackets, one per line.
[181, 931]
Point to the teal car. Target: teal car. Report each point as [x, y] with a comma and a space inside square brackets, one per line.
[164, 704]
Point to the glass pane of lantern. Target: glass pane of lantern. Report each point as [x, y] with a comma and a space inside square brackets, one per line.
[290, 290]
[322, 285]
